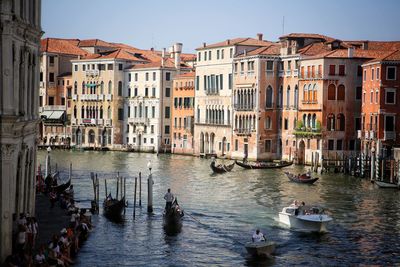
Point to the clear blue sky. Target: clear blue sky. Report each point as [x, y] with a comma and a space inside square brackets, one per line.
[160, 23]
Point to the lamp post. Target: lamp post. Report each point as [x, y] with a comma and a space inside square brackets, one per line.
[48, 168]
[150, 183]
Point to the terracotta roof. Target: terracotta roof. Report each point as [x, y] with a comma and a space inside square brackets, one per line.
[357, 53]
[308, 35]
[61, 46]
[94, 42]
[117, 54]
[314, 49]
[272, 49]
[238, 41]
[168, 63]
[388, 56]
[375, 45]
[188, 75]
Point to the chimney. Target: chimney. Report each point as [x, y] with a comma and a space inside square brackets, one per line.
[228, 42]
[204, 44]
[162, 57]
[350, 52]
[365, 45]
[260, 36]
[178, 50]
[152, 49]
[244, 52]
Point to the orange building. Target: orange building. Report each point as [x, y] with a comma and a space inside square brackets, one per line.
[182, 115]
[380, 104]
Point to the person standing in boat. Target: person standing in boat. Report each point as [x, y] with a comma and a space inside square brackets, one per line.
[258, 236]
[169, 197]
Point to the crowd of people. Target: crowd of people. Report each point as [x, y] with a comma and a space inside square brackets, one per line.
[63, 246]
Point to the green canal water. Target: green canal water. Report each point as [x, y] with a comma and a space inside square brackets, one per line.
[223, 210]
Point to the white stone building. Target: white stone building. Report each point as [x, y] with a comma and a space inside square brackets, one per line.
[19, 96]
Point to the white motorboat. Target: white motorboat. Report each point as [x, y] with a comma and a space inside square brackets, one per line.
[303, 218]
[260, 249]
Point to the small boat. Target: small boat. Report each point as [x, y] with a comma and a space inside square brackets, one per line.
[113, 208]
[220, 168]
[302, 179]
[303, 218]
[387, 185]
[173, 217]
[260, 249]
[62, 187]
[264, 165]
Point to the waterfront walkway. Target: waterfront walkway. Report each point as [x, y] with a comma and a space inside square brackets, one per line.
[50, 220]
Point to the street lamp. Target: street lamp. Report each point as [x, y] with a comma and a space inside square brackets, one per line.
[149, 165]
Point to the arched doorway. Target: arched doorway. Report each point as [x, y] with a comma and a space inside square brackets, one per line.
[78, 134]
[301, 152]
[91, 137]
[104, 138]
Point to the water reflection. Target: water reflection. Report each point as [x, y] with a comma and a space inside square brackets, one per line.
[226, 209]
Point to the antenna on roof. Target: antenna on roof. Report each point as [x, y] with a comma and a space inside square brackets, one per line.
[283, 25]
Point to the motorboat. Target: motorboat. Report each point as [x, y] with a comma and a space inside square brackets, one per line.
[304, 218]
[260, 249]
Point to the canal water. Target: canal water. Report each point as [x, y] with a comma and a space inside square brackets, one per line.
[222, 211]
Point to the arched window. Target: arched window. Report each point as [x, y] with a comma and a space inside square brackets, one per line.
[296, 96]
[331, 92]
[305, 120]
[229, 116]
[330, 123]
[268, 97]
[315, 92]
[268, 122]
[91, 136]
[198, 114]
[75, 112]
[309, 121]
[280, 101]
[102, 87]
[83, 112]
[76, 88]
[310, 93]
[341, 122]
[109, 87]
[314, 121]
[140, 110]
[119, 88]
[288, 97]
[305, 93]
[83, 88]
[109, 112]
[101, 112]
[341, 92]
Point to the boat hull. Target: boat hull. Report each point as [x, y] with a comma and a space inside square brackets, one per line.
[300, 181]
[307, 223]
[114, 211]
[260, 249]
[222, 169]
[387, 185]
[264, 165]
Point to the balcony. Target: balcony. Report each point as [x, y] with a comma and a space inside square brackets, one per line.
[53, 108]
[296, 73]
[244, 132]
[144, 121]
[308, 131]
[92, 73]
[243, 107]
[281, 73]
[100, 121]
[389, 135]
[108, 97]
[108, 122]
[288, 73]
[372, 134]
[359, 134]
[100, 97]
[88, 121]
[74, 97]
[74, 121]
[41, 84]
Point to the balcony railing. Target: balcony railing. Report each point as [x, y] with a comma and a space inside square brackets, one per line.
[281, 73]
[244, 131]
[108, 97]
[243, 107]
[288, 73]
[145, 121]
[74, 97]
[100, 121]
[108, 122]
[74, 121]
[92, 73]
[295, 72]
[307, 131]
[88, 121]
[52, 108]
[389, 135]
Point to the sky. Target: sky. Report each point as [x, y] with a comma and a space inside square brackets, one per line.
[161, 23]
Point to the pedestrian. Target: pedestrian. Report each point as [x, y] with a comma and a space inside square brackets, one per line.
[53, 198]
[169, 197]
[21, 238]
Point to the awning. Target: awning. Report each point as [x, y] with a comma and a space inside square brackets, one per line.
[46, 114]
[56, 115]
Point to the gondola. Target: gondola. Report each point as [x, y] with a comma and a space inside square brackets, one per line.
[173, 217]
[306, 180]
[387, 185]
[62, 187]
[113, 208]
[264, 165]
[221, 168]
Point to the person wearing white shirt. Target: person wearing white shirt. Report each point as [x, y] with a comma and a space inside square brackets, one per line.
[169, 197]
[258, 236]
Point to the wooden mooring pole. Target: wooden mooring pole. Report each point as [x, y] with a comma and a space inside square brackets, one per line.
[134, 199]
[105, 186]
[140, 189]
[124, 192]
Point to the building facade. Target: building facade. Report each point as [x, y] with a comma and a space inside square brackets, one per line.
[182, 115]
[19, 104]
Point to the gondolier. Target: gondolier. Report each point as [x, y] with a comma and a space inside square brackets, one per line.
[169, 197]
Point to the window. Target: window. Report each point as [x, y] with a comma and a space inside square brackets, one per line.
[389, 123]
[372, 74]
[365, 75]
[136, 77]
[231, 55]
[358, 92]
[357, 124]
[288, 97]
[152, 129]
[154, 76]
[378, 74]
[147, 76]
[109, 87]
[236, 145]
[390, 73]
[199, 56]
[222, 54]
[270, 65]
[120, 114]
[51, 60]
[51, 100]
[221, 81]
[153, 112]
[120, 66]
[268, 97]
[51, 77]
[205, 55]
[359, 71]
[153, 92]
[341, 92]
[286, 124]
[331, 92]
[230, 80]
[332, 70]
[331, 144]
[341, 122]
[109, 66]
[217, 54]
[167, 92]
[146, 91]
[267, 146]
[209, 55]
[197, 83]
[119, 88]
[168, 76]
[339, 144]
[390, 96]
[341, 70]
[167, 111]
[166, 129]
[76, 67]
[377, 97]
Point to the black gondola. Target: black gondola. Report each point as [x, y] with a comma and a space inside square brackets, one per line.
[113, 208]
[221, 168]
[264, 165]
[62, 187]
[173, 217]
[302, 179]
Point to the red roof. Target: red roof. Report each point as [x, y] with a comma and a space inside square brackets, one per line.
[186, 75]
[61, 46]
[168, 63]
[238, 41]
[94, 42]
[272, 49]
[308, 36]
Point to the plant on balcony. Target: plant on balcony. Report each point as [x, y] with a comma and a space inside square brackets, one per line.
[301, 130]
[300, 126]
[318, 127]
